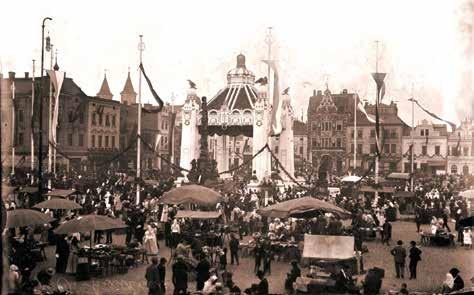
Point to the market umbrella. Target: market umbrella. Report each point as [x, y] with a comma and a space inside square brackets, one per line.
[305, 205]
[62, 193]
[58, 204]
[26, 217]
[194, 194]
[351, 178]
[89, 223]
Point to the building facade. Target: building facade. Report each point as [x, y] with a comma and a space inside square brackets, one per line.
[461, 149]
[430, 148]
[328, 118]
[392, 131]
[301, 146]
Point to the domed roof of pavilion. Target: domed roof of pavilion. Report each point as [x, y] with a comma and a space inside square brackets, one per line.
[240, 92]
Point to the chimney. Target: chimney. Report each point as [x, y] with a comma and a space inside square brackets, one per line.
[344, 91]
[27, 75]
[320, 92]
[11, 75]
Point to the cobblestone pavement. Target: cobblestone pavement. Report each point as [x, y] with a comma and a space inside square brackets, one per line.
[431, 270]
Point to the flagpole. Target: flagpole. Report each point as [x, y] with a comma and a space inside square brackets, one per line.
[377, 103]
[412, 141]
[172, 128]
[40, 115]
[50, 118]
[55, 139]
[141, 47]
[355, 134]
[269, 41]
[13, 125]
[32, 137]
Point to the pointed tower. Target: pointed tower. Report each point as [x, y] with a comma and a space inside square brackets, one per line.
[128, 94]
[104, 91]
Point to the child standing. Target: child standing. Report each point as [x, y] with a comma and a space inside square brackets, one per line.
[467, 238]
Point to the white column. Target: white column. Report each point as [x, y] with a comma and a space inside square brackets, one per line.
[190, 133]
[286, 153]
[261, 128]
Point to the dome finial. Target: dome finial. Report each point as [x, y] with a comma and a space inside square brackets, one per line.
[56, 66]
[241, 61]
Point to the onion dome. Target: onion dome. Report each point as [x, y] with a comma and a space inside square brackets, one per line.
[240, 74]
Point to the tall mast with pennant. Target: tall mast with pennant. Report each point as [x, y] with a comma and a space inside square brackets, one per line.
[379, 81]
[141, 48]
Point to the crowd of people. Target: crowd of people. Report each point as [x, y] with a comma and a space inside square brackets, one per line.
[201, 247]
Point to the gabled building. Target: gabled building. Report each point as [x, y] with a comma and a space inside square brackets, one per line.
[328, 118]
[461, 149]
[430, 148]
[392, 130]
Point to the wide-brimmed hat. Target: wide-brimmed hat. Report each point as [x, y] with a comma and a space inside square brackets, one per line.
[454, 271]
[13, 267]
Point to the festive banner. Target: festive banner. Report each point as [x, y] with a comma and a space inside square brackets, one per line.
[153, 92]
[453, 126]
[276, 107]
[57, 78]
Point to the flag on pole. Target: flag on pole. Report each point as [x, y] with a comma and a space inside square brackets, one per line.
[453, 126]
[153, 92]
[276, 106]
[57, 78]
[361, 108]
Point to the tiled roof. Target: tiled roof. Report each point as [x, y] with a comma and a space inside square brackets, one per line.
[23, 86]
[299, 128]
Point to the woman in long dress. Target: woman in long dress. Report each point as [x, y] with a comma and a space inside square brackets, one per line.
[73, 258]
[149, 242]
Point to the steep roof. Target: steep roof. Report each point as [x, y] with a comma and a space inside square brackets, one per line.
[128, 87]
[104, 91]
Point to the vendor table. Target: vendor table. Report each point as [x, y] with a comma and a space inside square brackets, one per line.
[430, 239]
[317, 285]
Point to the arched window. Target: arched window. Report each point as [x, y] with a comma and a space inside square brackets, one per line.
[454, 169]
[465, 170]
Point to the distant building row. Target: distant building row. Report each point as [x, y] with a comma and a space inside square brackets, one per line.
[92, 130]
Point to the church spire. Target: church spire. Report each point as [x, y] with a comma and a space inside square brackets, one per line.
[104, 91]
[128, 94]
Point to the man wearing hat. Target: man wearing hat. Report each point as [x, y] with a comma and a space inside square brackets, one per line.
[458, 281]
[399, 254]
[415, 257]
[180, 276]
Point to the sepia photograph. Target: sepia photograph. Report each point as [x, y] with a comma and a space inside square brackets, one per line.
[237, 147]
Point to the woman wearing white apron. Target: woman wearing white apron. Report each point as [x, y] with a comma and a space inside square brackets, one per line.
[149, 242]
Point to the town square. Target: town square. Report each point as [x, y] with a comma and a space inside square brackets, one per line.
[237, 147]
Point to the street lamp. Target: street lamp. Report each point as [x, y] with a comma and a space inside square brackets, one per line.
[40, 133]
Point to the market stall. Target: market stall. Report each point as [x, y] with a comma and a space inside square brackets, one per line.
[303, 207]
[192, 194]
[332, 263]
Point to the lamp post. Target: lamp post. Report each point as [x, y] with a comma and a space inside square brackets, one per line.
[40, 117]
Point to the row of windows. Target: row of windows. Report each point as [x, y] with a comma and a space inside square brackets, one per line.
[80, 140]
[326, 126]
[98, 119]
[326, 143]
[106, 143]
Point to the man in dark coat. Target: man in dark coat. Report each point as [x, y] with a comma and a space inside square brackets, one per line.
[62, 254]
[262, 288]
[387, 233]
[180, 276]
[234, 249]
[152, 276]
[162, 271]
[202, 270]
[458, 281]
[415, 256]
[399, 254]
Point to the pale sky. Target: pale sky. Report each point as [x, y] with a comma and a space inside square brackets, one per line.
[421, 44]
